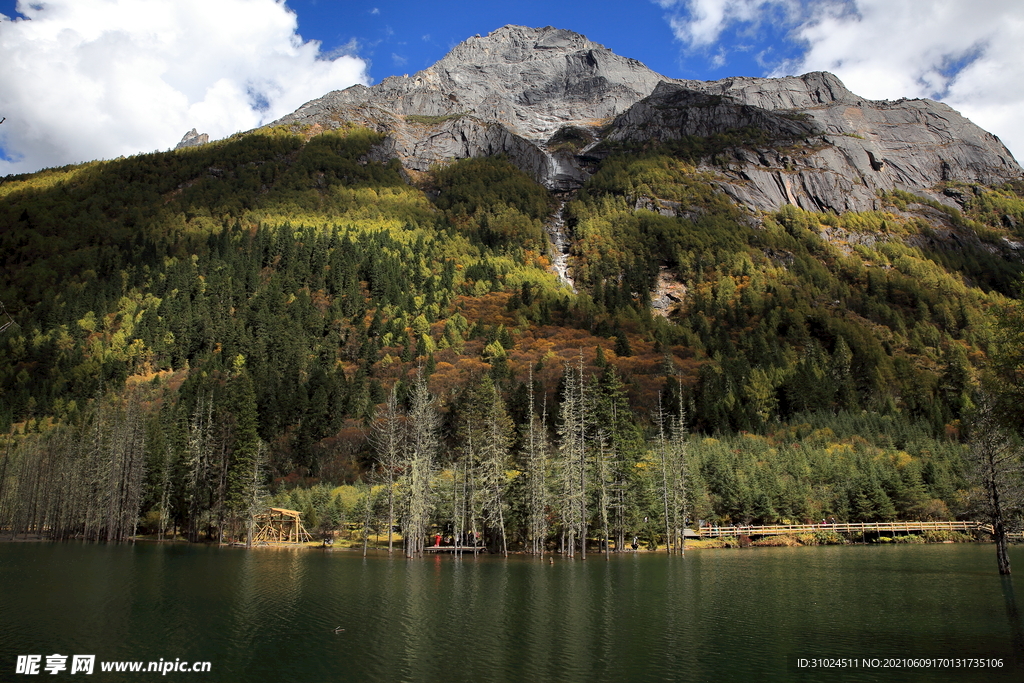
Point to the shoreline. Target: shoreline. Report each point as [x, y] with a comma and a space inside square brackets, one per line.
[722, 543]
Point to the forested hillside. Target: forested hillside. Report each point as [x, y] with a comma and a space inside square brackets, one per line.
[279, 315]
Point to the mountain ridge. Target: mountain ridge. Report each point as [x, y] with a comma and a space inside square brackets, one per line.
[515, 90]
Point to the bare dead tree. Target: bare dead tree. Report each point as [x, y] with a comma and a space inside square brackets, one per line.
[604, 465]
[10, 320]
[422, 446]
[998, 470]
[659, 420]
[369, 504]
[4, 496]
[198, 453]
[166, 487]
[678, 441]
[78, 480]
[257, 492]
[494, 456]
[572, 462]
[388, 439]
[537, 466]
[570, 415]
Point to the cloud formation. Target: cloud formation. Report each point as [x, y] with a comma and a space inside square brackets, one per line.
[700, 23]
[88, 79]
[966, 54]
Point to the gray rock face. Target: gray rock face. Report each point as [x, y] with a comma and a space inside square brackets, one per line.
[532, 81]
[508, 92]
[675, 110]
[546, 96]
[830, 149]
[193, 139]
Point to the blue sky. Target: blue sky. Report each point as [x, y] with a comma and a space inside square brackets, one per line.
[404, 37]
[87, 79]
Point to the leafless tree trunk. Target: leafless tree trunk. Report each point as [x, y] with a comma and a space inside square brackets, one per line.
[257, 491]
[605, 458]
[388, 440]
[572, 448]
[998, 468]
[494, 457]
[567, 461]
[369, 501]
[536, 463]
[197, 459]
[582, 448]
[679, 434]
[421, 451]
[78, 480]
[659, 419]
[4, 496]
[166, 487]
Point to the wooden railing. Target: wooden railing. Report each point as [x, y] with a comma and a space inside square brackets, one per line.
[840, 527]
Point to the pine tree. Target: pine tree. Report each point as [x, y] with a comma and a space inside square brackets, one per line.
[246, 441]
[198, 451]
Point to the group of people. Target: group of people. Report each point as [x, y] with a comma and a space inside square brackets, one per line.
[469, 540]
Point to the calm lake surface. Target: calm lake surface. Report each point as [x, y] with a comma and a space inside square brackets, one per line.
[715, 615]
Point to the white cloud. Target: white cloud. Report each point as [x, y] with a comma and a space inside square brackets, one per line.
[87, 79]
[703, 21]
[966, 54]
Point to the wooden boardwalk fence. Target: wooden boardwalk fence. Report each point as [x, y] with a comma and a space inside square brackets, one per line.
[840, 528]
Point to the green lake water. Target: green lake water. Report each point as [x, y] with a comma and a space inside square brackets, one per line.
[714, 615]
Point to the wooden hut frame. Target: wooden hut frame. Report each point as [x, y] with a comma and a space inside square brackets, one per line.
[279, 525]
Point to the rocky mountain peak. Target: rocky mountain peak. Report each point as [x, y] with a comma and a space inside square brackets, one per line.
[511, 91]
[545, 97]
[193, 139]
[531, 80]
[516, 45]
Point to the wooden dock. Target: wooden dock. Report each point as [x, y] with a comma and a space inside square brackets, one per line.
[839, 528]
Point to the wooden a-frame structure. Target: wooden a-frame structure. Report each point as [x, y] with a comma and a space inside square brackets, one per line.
[279, 525]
